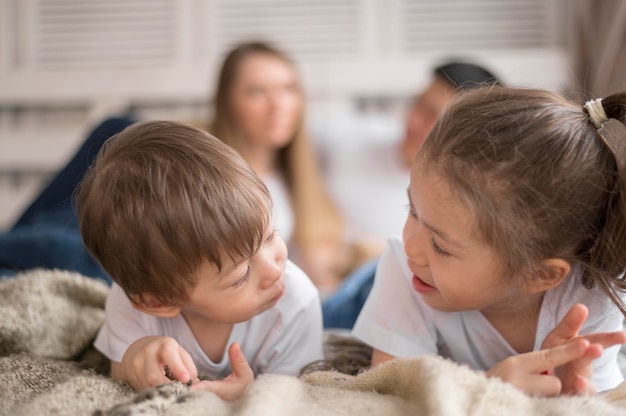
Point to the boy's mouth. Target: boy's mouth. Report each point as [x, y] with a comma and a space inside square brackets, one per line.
[280, 294]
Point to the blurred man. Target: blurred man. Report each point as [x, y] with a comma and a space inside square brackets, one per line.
[366, 164]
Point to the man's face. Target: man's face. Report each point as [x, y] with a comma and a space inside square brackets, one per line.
[422, 116]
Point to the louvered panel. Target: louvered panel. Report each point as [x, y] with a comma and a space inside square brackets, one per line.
[479, 24]
[311, 30]
[93, 34]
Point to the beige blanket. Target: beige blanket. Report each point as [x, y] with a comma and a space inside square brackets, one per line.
[47, 367]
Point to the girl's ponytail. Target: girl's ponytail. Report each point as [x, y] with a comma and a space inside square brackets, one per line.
[609, 252]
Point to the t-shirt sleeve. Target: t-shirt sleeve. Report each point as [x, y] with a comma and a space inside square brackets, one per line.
[394, 319]
[605, 317]
[122, 326]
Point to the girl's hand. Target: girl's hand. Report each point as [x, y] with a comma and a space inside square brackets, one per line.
[531, 372]
[575, 375]
[145, 361]
[233, 386]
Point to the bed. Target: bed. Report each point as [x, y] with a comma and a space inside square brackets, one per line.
[47, 366]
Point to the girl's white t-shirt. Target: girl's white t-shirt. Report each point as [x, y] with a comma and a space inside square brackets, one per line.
[281, 340]
[396, 320]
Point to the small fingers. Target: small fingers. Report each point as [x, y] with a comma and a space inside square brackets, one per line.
[582, 385]
[542, 385]
[149, 374]
[521, 371]
[227, 389]
[606, 339]
[179, 366]
[240, 367]
[554, 357]
[583, 364]
[568, 327]
[172, 362]
[528, 371]
[233, 386]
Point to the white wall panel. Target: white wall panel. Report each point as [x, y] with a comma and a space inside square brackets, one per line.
[66, 63]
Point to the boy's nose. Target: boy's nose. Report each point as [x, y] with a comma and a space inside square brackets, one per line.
[272, 273]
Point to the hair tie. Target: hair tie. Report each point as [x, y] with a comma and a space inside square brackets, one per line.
[596, 112]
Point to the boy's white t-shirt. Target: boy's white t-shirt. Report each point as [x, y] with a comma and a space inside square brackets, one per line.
[281, 340]
[396, 320]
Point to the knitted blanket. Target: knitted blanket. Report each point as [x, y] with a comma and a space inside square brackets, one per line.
[47, 366]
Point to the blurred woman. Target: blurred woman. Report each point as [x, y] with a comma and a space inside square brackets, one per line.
[259, 111]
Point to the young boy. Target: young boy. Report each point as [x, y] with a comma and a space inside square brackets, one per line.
[184, 228]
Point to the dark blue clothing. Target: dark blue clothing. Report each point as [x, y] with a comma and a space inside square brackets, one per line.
[47, 234]
[342, 308]
[57, 195]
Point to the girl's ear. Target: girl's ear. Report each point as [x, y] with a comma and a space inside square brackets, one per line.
[549, 275]
[152, 306]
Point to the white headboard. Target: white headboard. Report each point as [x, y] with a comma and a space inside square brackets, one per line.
[64, 64]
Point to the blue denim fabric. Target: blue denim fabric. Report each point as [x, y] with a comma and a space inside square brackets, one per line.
[341, 309]
[47, 234]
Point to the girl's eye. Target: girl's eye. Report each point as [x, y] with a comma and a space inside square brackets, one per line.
[243, 279]
[412, 212]
[438, 249]
[291, 88]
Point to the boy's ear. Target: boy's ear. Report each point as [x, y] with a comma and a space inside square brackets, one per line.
[549, 275]
[152, 306]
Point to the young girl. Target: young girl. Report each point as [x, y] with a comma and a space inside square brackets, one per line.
[514, 243]
[259, 111]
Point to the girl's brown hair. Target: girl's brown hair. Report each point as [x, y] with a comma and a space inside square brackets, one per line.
[317, 220]
[163, 197]
[540, 179]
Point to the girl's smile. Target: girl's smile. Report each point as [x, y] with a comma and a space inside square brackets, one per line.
[422, 287]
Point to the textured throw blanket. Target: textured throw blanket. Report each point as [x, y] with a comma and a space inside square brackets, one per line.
[47, 366]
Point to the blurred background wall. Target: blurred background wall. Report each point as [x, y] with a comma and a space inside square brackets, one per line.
[64, 64]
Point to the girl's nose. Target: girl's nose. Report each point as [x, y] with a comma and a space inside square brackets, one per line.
[416, 244]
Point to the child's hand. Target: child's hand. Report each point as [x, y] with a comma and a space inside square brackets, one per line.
[233, 386]
[530, 372]
[144, 362]
[574, 375]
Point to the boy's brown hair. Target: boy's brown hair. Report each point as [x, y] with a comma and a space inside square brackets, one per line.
[163, 197]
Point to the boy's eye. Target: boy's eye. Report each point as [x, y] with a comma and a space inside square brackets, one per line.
[270, 237]
[243, 279]
[438, 249]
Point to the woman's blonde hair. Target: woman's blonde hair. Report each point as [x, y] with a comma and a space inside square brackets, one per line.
[317, 220]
